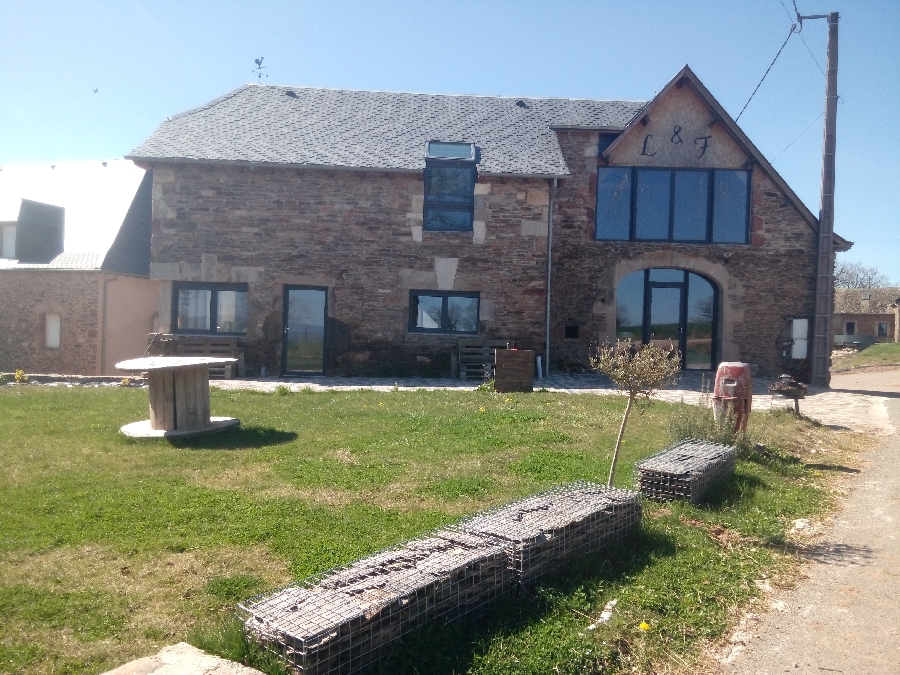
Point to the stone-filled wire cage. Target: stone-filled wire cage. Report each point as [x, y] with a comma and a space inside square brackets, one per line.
[548, 530]
[684, 471]
[345, 619]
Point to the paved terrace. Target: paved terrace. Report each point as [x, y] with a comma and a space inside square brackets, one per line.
[838, 408]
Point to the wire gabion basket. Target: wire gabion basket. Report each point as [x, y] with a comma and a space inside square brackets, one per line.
[548, 530]
[684, 471]
[342, 620]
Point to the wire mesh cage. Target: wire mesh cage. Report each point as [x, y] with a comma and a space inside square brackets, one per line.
[548, 530]
[684, 471]
[342, 620]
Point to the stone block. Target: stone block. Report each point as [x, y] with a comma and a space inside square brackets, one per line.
[445, 271]
[538, 197]
[479, 231]
[416, 232]
[482, 188]
[534, 228]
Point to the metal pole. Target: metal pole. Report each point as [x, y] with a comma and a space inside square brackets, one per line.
[549, 271]
[821, 365]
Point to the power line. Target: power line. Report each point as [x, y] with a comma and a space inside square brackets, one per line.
[772, 161]
[793, 26]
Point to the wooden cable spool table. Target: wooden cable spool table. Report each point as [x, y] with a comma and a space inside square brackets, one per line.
[179, 397]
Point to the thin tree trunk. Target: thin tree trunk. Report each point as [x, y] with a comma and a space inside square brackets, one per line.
[615, 458]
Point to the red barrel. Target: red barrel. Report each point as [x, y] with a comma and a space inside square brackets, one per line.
[734, 388]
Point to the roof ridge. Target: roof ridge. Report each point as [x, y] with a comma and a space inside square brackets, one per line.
[425, 93]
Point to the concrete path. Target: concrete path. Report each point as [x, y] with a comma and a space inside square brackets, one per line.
[844, 617]
[838, 407]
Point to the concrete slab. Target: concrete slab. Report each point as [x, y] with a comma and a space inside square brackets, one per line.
[182, 659]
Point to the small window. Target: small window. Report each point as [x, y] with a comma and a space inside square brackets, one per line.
[881, 329]
[449, 196]
[572, 332]
[866, 296]
[8, 242]
[850, 328]
[443, 312]
[51, 331]
[210, 308]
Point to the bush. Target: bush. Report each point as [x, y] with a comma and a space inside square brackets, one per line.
[21, 377]
[282, 390]
[698, 421]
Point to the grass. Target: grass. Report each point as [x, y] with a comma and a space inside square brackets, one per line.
[881, 354]
[112, 548]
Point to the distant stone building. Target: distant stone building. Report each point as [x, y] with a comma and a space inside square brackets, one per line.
[353, 232]
[864, 316]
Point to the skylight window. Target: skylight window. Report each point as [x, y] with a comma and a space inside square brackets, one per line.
[446, 150]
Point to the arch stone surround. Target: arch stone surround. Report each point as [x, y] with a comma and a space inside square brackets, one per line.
[730, 294]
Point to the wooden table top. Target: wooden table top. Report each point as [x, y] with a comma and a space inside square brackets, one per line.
[171, 362]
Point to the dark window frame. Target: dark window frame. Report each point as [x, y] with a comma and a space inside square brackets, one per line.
[710, 205]
[437, 204]
[445, 315]
[214, 289]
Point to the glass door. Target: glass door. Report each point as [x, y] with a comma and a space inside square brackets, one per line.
[303, 346]
[665, 327]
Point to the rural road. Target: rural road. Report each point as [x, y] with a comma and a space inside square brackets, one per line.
[844, 617]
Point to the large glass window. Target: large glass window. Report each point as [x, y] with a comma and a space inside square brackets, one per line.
[209, 308]
[665, 306]
[651, 209]
[730, 202]
[449, 195]
[613, 203]
[686, 205]
[443, 312]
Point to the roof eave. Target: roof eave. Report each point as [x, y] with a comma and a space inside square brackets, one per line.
[149, 161]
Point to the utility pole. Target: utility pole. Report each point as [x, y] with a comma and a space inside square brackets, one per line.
[821, 358]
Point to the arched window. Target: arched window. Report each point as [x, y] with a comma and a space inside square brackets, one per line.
[670, 307]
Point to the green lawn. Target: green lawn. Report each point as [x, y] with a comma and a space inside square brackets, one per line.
[881, 354]
[111, 548]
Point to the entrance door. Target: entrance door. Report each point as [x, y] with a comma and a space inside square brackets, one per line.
[669, 307]
[303, 346]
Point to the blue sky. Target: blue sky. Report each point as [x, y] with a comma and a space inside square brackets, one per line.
[152, 58]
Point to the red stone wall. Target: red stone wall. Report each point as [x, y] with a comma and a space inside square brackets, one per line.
[358, 234]
[866, 325]
[760, 285]
[26, 296]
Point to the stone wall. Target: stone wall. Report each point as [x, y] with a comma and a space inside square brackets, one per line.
[28, 295]
[866, 325]
[760, 285]
[359, 234]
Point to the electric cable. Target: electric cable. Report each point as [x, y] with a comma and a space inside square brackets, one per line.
[772, 161]
[793, 26]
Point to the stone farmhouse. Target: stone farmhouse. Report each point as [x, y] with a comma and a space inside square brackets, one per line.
[75, 292]
[362, 232]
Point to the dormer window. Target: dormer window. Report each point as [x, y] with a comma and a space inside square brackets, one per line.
[450, 174]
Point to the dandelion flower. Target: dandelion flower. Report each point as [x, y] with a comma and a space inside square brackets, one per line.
[644, 625]
[481, 409]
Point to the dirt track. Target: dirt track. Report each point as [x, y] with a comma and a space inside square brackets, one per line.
[845, 616]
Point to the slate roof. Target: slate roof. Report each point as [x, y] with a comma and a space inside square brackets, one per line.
[73, 260]
[377, 130]
[850, 300]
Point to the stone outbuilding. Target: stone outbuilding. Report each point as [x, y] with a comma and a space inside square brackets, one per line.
[864, 316]
[65, 310]
[359, 232]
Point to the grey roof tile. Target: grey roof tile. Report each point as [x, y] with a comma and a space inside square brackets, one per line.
[377, 130]
[74, 260]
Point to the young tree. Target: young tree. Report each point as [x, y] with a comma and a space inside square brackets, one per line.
[637, 372]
